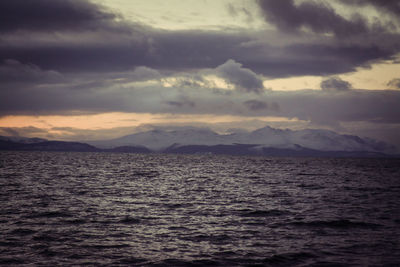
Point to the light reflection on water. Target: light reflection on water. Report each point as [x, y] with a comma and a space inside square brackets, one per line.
[197, 210]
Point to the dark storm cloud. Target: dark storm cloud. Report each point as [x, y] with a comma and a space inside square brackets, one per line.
[349, 54]
[182, 50]
[118, 54]
[115, 51]
[91, 40]
[70, 35]
[52, 15]
[390, 6]
[316, 16]
[321, 58]
[335, 84]
[13, 71]
[207, 52]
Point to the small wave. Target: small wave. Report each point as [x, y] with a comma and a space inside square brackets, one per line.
[205, 263]
[11, 184]
[130, 220]
[178, 228]
[11, 244]
[146, 174]
[288, 259]
[311, 174]
[75, 221]
[107, 246]
[22, 232]
[183, 263]
[177, 205]
[311, 186]
[343, 224]
[48, 253]
[131, 261]
[264, 213]
[230, 258]
[207, 238]
[49, 214]
[45, 238]
[227, 253]
[11, 261]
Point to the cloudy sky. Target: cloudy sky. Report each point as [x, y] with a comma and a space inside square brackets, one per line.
[85, 70]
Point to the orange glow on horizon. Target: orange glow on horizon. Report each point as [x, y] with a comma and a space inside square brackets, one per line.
[119, 119]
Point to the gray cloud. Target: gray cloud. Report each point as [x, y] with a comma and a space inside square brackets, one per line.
[237, 11]
[13, 71]
[242, 78]
[255, 104]
[181, 101]
[395, 83]
[311, 105]
[390, 6]
[53, 15]
[190, 80]
[335, 84]
[116, 51]
[95, 42]
[143, 73]
[335, 57]
[316, 16]
[180, 104]
[97, 54]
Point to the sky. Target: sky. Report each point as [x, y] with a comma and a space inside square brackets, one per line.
[90, 70]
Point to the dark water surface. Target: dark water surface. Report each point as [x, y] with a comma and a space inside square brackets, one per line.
[60, 209]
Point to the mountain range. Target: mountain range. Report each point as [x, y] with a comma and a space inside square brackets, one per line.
[267, 137]
[266, 141]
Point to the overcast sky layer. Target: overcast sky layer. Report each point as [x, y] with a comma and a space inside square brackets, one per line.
[82, 70]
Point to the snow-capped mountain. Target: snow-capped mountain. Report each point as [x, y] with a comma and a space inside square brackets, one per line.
[267, 137]
[160, 139]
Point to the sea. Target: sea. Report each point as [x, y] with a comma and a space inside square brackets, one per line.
[116, 209]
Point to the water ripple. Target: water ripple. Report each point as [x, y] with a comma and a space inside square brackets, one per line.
[105, 209]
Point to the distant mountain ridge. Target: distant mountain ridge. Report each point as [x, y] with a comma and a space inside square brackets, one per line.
[47, 146]
[22, 140]
[63, 146]
[266, 141]
[267, 137]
